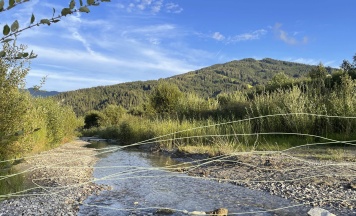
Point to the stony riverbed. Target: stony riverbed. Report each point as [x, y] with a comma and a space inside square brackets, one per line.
[62, 178]
[327, 184]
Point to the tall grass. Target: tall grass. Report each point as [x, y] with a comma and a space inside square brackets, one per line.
[301, 112]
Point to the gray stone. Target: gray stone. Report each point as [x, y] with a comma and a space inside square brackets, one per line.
[319, 212]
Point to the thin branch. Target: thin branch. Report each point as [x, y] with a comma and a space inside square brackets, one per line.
[52, 20]
[16, 3]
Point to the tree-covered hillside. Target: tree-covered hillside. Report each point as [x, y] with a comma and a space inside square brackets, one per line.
[206, 82]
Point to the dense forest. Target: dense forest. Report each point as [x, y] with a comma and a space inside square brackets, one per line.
[206, 83]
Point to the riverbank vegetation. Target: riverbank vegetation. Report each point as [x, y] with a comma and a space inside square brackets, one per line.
[28, 124]
[285, 112]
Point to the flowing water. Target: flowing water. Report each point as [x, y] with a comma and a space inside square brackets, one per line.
[141, 186]
[12, 182]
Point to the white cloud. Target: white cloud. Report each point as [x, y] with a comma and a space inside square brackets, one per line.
[311, 61]
[173, 8]
[157, 6]
[60, 81]
[255, 35]
[150, 6]
[218, 36]
[144, 4]
[75, 53]
[61, 76]
[285, 37]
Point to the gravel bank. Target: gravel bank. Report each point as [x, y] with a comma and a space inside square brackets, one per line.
[62, 176]
[329, 185]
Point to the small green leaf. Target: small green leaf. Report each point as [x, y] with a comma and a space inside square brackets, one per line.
[45, 21]
[90, 2]
[11, 3]
[19, 55]
[15, 26]
[1, 5]
[66, 11]
[84, 9]
[72, 4]
[2, 53]
[7, 40]
[81, 2]
[33, 19]
[55, 21]
[25, 54]
[6, 30]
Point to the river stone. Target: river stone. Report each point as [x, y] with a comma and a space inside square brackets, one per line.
[197, 213]
[219, 211]
[353, 184]
[319, 212]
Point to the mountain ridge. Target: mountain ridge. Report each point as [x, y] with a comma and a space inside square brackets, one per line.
[205, 82]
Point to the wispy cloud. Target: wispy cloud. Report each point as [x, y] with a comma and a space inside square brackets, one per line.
[150, 6]
[311, 61]
[60, 80]
[255, 35]
[173, 8]
[218, 36]
[63, 77]
[285, 37]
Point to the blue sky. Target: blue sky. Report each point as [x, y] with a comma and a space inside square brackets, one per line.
[130, 40]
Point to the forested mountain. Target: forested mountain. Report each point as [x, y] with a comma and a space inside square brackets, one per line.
[42, 93]
[206, 82]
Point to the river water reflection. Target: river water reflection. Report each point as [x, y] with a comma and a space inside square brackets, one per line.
[141, 185]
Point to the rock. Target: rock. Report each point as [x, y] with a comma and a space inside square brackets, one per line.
[267, 163]
[197, 213]
[165, 211]
[319, 212]
[353, 185]
[219, 211]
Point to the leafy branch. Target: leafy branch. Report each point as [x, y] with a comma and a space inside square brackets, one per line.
[12, 4]
[11, 32]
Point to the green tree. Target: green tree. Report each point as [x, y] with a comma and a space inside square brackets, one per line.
[279, 80]
[349, 68]
[318, 77]
[112, 115]
[165, 98]
[318, 73]
[93, 119]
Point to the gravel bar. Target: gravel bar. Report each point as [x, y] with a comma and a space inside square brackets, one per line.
[63, 179]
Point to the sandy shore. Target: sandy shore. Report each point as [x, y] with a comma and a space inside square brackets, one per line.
[62, 177]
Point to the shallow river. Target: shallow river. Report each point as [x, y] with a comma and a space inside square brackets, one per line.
[141, 186]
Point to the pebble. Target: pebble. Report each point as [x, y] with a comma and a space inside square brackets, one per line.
[319, 212]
